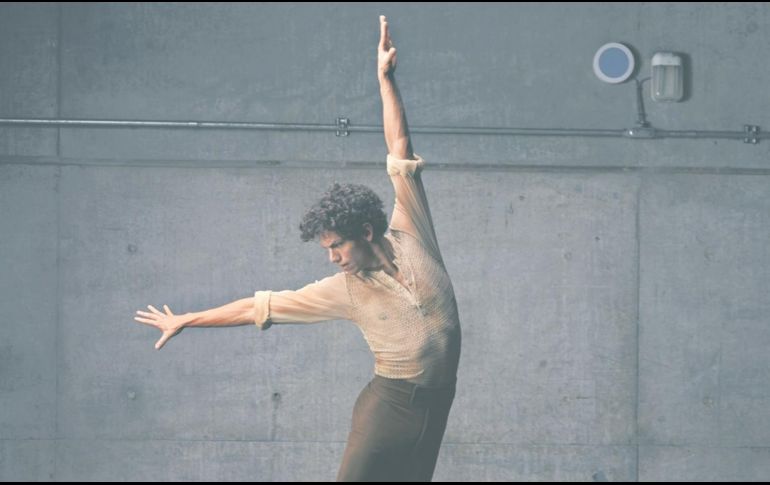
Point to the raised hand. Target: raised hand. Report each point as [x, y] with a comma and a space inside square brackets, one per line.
[386, 53]
[168, 323]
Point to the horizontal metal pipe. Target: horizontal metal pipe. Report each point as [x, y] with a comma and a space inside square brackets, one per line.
[166, 124]
[710, 134]
[306, 127]
[436, 130]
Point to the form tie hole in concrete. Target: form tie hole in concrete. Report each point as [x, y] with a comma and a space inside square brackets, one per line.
[599, 476]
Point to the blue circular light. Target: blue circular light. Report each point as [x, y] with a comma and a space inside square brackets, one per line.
[613, 63]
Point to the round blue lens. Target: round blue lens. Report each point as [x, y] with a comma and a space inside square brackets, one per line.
[613, 62]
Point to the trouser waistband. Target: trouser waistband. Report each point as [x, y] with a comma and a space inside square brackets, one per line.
[409, 393]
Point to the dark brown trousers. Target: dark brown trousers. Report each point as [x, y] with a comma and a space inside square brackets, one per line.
[396, 432]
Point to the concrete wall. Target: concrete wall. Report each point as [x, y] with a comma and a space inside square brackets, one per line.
[613, 292]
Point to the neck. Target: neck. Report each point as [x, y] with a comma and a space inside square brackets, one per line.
[383, 256]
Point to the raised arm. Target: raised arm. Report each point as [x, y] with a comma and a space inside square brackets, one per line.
[411, 213]
[394, 117]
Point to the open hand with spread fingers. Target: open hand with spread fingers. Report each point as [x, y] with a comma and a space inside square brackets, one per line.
[168, 323]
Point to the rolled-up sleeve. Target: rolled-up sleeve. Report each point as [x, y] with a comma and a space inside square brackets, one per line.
[262, 309]
[327, 299]
[411, 213]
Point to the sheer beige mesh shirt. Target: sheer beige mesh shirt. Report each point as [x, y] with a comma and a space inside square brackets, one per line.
[413, 333]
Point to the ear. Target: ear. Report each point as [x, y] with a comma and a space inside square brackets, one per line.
[368, 232]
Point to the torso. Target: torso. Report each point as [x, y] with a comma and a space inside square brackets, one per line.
[409, 318]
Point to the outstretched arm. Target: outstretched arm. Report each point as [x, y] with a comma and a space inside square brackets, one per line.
[394, 117]
[239, 312]
[327, 299]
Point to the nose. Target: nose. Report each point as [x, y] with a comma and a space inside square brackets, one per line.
[334, 256]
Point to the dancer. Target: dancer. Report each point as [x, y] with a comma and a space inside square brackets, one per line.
[393, 285]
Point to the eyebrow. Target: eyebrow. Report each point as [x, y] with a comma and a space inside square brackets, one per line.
[334, 244]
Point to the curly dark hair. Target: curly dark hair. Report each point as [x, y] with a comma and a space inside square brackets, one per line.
[344, 209]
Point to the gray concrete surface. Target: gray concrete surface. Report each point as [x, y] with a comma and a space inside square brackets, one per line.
[613, 292]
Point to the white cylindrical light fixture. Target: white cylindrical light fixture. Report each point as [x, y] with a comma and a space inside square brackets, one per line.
[667, 77]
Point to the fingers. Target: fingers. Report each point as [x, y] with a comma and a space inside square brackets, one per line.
[389, 58]
[152, 319]
[384, 36]
[155, 311]
[160, 343]
[146, 321]
[148, 318]
[383, 31]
